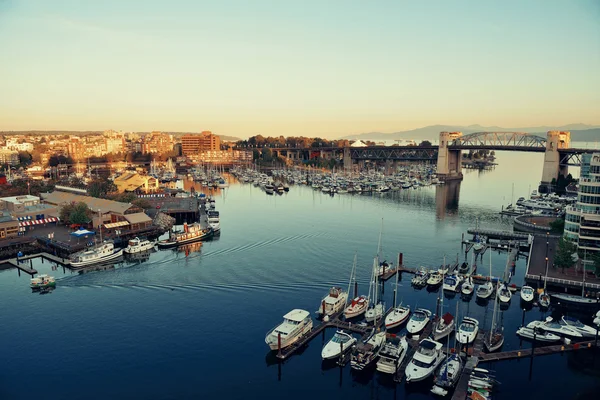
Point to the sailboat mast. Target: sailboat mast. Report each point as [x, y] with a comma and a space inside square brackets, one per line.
[396, 290]
[493, 328]
[352, 272]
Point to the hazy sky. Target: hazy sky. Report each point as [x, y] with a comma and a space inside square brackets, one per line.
[317, 68]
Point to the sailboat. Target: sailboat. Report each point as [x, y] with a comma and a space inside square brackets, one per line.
[485, 290]
[359, 304]
[376, 311]
[543, 296]
[449, 372]
[399, 313]
[444, 324]
[495, 339]
[574, 300]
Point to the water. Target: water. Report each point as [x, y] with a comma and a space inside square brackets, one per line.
[178, 326]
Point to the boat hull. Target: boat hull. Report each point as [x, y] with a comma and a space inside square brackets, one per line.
[171, 244]
[117, 253]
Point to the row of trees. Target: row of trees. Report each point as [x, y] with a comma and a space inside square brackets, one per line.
[76, 213]
[479, 154]
[301, 142]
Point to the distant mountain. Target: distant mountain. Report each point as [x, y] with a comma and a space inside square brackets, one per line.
[579, 132]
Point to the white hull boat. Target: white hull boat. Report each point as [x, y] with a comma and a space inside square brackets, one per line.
[485, 290]
[452, 283]
[425, 360]
[367, 353]
[333, 302]
[138, 245]
[295, 324]
[555, 327]
[467, 287]
[397, 317]
[448, 373]
[357, 307]
[444, 326]
[574, 323]
[539, 336]
[504, 295]
[467, 330]
[374, 313]
[418, 320]
[527, 294]
[100, 253]
[337, 345]
[435, 278]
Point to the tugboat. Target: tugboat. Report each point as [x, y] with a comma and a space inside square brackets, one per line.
[190, 234]
[42, 282]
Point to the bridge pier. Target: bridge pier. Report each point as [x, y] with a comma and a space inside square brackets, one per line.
[449, 164]
[347, 159]
[555, 142]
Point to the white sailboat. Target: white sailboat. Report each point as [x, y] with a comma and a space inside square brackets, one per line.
[485, 290]
[495, 339]
[359, 304]
[399, 313]
[376, 311]
[445, 323]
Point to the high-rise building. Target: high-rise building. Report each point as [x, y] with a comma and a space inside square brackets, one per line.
[194, 144]
[157, 142]
[582, 221]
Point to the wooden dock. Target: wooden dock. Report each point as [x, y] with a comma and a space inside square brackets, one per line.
[539, 351]
[21, 266]
[499, 234]
[413, 345]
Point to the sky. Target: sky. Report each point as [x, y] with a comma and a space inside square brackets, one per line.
[312, 68]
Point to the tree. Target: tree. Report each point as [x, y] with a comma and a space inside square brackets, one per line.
[425, 143]
[142, 203]
[267, 155]
[596, 259]
[564, 254]
[557, 226]
[100, 187]
[75, 213]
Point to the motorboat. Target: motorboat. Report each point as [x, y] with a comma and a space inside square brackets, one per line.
[366, 353]
[527, 294]
[42, 281]
[574, 300]
[397, 316]
[448, 373]
[467, 287]
[435, 278]
[392, 354]
[418, 320]
[452, 283]
[444, 326]
[574, 323]
[214, 221]
[485, 290]
[334, 302]
[99, 253]
[467, 330]
[425, 360]
[375, 312]
[337, 345]
[537, 335]
[544, 299]
[420, 278]
[463, 268]
[504, 294]
[138, 245]
[555, 327]
[191, 233]
[295, 324]
[357, 306]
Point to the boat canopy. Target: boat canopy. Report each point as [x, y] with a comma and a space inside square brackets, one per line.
[447, 318]
[82, 232]
[296, 315]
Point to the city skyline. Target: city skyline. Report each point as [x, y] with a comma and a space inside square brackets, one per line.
[275, 69]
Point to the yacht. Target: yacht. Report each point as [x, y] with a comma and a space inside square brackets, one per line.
[435, 278]
[366, 353]
[295, 324]
[214, 221]
[337, 345]
[451, 283]
[444, 326]
[418, 320]
[392, 354]
[357, 307]
[467, 330]
[426, 359]
[574, 323]
[397, 316]
[190, 234]
[98, 253]
[467, 287]
[527, 294]
[42, 281]
[541, 336]
[555, 327]
[447, 374]
[333, 302]
[138, 245]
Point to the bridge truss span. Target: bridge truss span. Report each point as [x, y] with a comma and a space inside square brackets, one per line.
[395, 153]
[499, 141]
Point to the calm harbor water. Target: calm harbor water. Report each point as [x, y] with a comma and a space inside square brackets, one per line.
[192, 325]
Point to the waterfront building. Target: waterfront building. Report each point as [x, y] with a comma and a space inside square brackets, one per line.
[9, 157]
[582, 221]
[205, 141]
[132, 182]
[9, 227]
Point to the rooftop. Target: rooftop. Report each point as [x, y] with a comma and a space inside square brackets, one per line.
[137, 218]
[93, 203]
[20, 199]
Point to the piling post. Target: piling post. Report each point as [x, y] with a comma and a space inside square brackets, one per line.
[279, 344]
[341, 353]
[523, 318]
[323, 308]
[533, 343]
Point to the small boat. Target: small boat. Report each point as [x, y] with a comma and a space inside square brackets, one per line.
[99, 253]
[375, 312]
[504, 294]
[366, 353]
[392, 354]
[448, 373]
[452, 283]
[418, 320]
[295, 324]
[527, 294]
[357, 307]
[397, 316]
[574, 323]
[485, 290]
[420, 278]
[467, 287]
[337, 345]
[463, 268]
[138, 245]
[444, 326]
[425, 360]
[537, 335]
[555, 327]
[495, 339]
[544, 299]
[190, 234]
[334, 301]
[42, 281]
[467, 330]
[435, 278]
[214, 221]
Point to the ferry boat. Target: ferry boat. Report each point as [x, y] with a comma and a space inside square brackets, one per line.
[42, 281]
[138, 245]
[190, 234]
[295, 324]
[99, 253]
[333, 302]
[213, 221]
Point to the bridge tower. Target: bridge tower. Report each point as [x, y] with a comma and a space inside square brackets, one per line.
[555, 142]
[347, 159]
[449, 165]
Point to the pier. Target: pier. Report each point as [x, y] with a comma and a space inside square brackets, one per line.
[498, 234]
